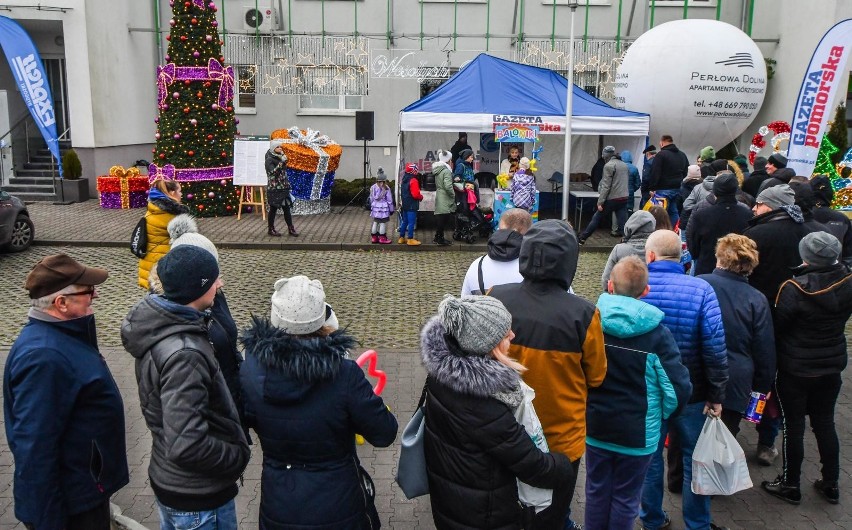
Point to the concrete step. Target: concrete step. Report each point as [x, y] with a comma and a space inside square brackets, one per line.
[15, 189]
[16, 181]
[36, 197]
[43, 166]
[34, 173]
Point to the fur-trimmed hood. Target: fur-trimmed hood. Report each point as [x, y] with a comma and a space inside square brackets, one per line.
[167, 204]
[476, 375]
[305, 360]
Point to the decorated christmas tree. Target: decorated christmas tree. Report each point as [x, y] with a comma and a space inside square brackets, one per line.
[196, 124]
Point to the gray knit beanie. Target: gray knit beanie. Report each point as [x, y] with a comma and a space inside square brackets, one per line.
[777, 196]
[478, 323]
[820, 249]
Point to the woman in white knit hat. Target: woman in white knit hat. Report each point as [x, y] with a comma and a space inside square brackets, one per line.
[306, 400]
[476, 451]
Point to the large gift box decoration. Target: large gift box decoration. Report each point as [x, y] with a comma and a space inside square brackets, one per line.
[503, 202]
[312, 159]
[123, 188]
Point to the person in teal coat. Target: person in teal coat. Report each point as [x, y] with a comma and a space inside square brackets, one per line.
[445, 201]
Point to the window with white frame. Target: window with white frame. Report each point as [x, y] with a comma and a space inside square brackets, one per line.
[324, 89]
[246, 87]
[679, 3]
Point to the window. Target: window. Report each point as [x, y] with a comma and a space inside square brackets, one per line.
[427, 86]
[692, 3]
[311, 102]
[246, 87]
[322, 87]
[582, 3]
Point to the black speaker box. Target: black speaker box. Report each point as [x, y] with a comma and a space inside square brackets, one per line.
[364, 125]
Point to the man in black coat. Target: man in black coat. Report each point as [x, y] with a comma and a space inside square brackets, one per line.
[709, 224]
[838, 224]
[667, 174]
[753, 182]
[459, 146]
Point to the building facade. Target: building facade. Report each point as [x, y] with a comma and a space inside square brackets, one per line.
[314, 63]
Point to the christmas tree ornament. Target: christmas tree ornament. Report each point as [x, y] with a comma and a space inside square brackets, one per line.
[208, 38]
[176, 136]
[157, 136]
[196, 54]
[176, 95]
[214, 106]
[211, 195]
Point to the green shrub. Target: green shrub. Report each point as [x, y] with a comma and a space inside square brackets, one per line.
[342, 191]
[72, 169]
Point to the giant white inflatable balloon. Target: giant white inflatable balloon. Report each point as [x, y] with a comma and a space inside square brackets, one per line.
[702, 82]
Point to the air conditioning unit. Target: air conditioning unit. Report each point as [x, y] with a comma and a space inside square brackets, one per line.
[263, 19]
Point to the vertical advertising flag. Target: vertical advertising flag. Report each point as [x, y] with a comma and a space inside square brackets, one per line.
[826, 73]
[29, 74]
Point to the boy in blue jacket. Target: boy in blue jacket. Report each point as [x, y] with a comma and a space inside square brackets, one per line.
[645, 384]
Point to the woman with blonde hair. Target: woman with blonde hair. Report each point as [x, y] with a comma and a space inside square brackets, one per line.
[163, 205]
[476, 451]
[748, 326]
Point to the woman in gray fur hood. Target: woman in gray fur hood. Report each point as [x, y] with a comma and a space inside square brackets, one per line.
[476, 451]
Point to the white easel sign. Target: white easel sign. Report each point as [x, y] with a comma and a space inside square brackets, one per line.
[249, 155]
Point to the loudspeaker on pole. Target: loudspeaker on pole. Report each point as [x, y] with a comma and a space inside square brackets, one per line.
[364, 125]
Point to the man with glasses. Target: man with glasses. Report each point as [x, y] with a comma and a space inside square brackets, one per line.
[64, 414]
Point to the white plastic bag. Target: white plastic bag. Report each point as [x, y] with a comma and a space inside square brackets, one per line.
[538, 498]
[718, 463]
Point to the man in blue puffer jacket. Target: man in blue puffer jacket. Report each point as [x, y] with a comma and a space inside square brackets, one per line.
[693, 316]
[645, 384]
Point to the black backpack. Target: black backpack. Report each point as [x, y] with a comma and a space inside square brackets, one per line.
[139, 239]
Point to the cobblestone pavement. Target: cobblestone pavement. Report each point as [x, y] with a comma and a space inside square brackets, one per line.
[384, 297]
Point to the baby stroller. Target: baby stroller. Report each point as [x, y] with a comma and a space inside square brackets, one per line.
[470, 223]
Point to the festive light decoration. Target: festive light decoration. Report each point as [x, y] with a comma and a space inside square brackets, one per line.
[312, 159]
[824, 165]
[123, 188]
[781, 132]
[196, 124]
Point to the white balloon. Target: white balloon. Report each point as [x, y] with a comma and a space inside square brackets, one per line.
[702, 82]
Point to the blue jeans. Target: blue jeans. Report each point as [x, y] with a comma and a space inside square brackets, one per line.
[222, 518]
[407, 220]
[613, 488]
[696, 508]
[767, 431]
[672, 197]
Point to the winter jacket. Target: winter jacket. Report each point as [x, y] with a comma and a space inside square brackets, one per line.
[613, 185]
[597, 173]
[499, 266]
[410, 192]
[463, 170]
[726, 216]
[694, 318]
[523, 190]
[457, 148]
[381, 202]
[306, 400]
[445, 201]
[276, 171]
[839, 226]
[638, 227]
[199, 447]
[161, 210]
[668, 170]
[634, 182]
[811, 312]
[696, 196]
[748, 337]
[64, 421]
[645, 383]
[778, 177]
[558, 335]
[475, 449]
[223, 336]
[777, 235]
[753, 182]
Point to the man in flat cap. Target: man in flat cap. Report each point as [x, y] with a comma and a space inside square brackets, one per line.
[64, 414]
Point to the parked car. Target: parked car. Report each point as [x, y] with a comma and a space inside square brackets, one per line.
[16, 228]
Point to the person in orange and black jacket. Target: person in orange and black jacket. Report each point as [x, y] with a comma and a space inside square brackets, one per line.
[559, 338]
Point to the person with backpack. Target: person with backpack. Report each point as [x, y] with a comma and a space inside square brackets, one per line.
[409, 190]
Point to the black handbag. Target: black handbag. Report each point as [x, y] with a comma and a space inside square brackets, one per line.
[139, 239]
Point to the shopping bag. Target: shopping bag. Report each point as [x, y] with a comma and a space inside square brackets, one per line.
[411, 469]
[718, 462]
[654, 200]
[537, 498]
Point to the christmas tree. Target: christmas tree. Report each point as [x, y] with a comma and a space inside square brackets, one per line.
[196, 124]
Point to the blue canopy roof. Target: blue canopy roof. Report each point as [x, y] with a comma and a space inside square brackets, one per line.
[490, 85]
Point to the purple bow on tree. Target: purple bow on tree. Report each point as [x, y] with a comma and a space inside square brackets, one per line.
[225, 74]
[165, 77]
[166, 172]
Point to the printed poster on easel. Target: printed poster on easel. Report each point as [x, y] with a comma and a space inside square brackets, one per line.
[250, 172]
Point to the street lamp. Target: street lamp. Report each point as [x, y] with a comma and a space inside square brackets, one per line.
[569, 109]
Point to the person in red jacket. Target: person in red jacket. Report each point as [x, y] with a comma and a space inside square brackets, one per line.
[410, 191]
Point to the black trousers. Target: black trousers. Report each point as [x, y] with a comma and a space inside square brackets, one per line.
[95, 519]
[553, 517]
[278, 199]
[731, 419]
[441, 222]
[815, 397]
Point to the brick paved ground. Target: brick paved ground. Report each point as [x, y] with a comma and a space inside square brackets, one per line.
[384, 297]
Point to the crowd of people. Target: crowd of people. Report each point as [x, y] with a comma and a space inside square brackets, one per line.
[762, 308]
